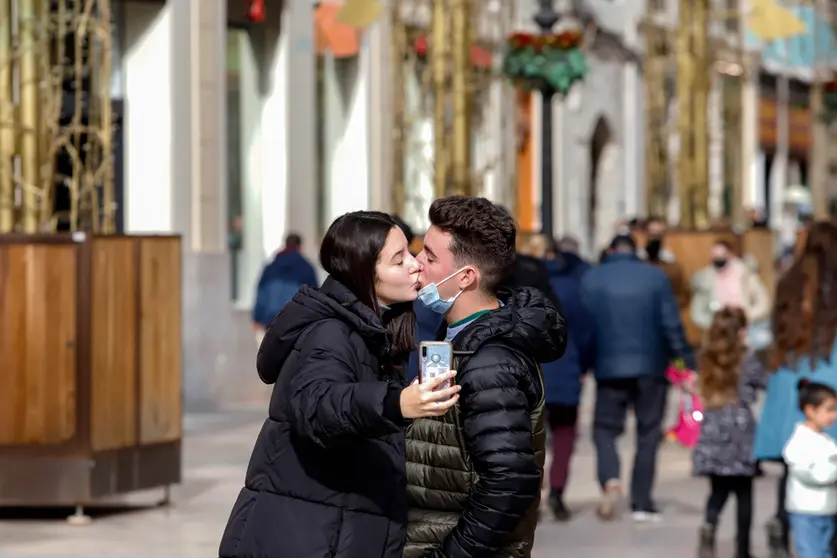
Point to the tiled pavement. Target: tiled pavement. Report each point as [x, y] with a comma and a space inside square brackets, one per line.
[216, 451]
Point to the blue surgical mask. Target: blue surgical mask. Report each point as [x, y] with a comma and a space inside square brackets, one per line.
[431, 299]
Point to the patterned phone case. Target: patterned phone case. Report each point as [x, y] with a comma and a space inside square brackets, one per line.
[436, 358]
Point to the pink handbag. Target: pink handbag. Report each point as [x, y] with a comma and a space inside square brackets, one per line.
[686, 431]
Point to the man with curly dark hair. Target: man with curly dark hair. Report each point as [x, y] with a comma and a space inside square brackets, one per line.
[474, 476]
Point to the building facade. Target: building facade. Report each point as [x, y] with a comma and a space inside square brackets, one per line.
[237, 132]
[787, 161]
[598, 129]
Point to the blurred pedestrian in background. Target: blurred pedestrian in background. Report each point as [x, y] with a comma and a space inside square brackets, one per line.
[280, 281]
[804, 332]
[638, 333]
[563, 377]
[729, 380]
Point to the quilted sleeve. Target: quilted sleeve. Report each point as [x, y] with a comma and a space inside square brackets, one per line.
[327, 401]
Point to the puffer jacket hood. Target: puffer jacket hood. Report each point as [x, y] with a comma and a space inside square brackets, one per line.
[527, 322]
[309, 306]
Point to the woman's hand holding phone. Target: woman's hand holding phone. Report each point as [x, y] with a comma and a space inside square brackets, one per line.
[424, 400]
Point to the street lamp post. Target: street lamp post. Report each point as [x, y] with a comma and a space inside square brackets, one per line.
[546, 18]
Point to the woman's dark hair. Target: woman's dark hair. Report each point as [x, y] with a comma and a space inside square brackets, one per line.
[805, 312]
[720, 360]
[349, 253]
[813, 394]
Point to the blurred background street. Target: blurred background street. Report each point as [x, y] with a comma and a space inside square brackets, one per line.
[157, 157]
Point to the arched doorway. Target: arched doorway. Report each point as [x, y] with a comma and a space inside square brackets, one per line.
[601, 165]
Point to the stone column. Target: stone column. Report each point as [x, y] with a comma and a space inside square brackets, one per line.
[633, 152]
[779, 169]
[750, 139]
[381, 119]
[289, 169]
[715, 114]
[208, 23]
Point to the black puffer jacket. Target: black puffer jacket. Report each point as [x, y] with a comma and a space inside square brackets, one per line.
[474, 475]
[326, 477]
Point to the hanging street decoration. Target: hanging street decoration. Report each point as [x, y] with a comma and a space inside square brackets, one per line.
[829, 101]
[551, 62]
[256, 11]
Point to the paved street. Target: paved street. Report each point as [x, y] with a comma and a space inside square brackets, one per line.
[216, 450]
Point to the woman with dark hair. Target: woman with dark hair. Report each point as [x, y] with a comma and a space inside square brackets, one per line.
[804, 331]
[327, 473]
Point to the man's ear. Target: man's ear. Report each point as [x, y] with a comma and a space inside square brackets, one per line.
[470, 277]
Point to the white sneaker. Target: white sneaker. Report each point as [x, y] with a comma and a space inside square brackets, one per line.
[646, 516]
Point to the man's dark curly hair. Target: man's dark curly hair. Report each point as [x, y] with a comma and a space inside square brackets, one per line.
[805, 312]
[482, 235]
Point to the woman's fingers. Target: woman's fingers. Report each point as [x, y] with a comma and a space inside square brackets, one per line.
[434, 383]
[443, 394]
[439, 408]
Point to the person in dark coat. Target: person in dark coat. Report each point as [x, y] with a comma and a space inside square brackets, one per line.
[474, 475]
[563, 377]
[638, 334]
[280, 281]
[327, 473]
[528, 271]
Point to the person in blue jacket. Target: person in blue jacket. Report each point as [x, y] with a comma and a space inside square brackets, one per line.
[804, 331]
[280, 281]
[638, 334]
[563, 377]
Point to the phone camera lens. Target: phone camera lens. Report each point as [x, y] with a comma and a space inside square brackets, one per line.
[423, 352]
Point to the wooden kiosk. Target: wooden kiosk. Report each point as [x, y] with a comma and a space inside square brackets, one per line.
[90, 367]
[90, 319]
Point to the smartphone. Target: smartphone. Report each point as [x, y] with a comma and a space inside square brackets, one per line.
[436, 360]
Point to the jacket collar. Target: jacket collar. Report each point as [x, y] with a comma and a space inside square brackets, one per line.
[613, 258]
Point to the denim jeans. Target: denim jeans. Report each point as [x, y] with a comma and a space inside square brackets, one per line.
[647, 397]
[812, 534]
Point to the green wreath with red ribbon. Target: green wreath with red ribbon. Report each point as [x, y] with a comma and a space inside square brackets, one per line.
[554, 62]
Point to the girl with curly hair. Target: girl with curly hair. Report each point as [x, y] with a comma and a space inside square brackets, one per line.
[804, 331]
[730, 377]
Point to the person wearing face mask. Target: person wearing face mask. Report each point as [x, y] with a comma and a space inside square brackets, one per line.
[655, 230]
[327, 472]
[673, 270]
[474, 475]
[637, 332]
[729, 281]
